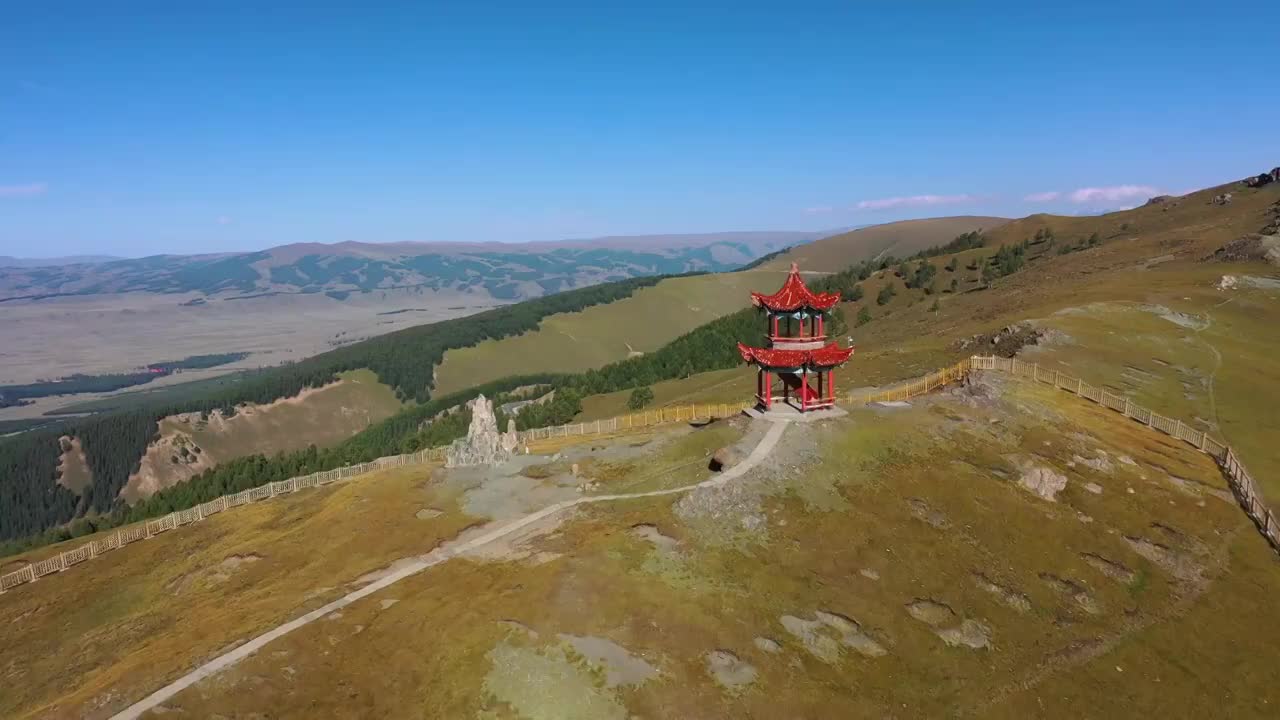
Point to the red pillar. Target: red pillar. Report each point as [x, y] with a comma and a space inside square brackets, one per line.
[768, 389]
[804, 392]
[820, 329]
[775, 326]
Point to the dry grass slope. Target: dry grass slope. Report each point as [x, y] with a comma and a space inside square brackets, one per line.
[901, 239]
[602, 334]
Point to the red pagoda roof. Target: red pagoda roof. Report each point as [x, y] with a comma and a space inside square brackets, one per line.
[829, 356]
[794, 295]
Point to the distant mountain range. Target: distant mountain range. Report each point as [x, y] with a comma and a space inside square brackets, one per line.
[505, 271]
[8, 261]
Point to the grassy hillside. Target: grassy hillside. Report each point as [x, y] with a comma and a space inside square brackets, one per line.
[899, 239]
[944, 587]
[598, 335]
[1139, 312]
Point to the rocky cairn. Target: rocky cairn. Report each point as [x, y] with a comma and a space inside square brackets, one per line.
[484, 444]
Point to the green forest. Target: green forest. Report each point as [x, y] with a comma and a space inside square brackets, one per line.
[11, 395]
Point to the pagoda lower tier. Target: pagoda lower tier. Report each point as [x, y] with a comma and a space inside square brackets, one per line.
[795, 367]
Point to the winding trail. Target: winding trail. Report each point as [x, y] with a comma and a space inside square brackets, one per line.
[435, 557]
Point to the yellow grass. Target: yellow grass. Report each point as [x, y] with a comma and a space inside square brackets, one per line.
[132, 619]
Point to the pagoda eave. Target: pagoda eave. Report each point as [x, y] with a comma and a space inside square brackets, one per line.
[823, 358]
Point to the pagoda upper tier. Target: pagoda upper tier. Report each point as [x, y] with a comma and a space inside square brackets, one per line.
[828, 356]
[794, 295]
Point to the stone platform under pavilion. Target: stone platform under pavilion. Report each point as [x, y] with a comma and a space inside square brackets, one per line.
[786, 412]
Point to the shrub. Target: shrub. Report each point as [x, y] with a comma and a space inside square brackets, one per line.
[864, 316]
[640, 397]
[886, 294]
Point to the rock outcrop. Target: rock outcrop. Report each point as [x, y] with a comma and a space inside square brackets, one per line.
[1254, 246]
[510, 439]
[1043, 482]
[483, 444]
[1264, 179]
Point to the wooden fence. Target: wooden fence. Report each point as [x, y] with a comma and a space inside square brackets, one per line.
[150, 528]
[1238, 477]
[682, 413]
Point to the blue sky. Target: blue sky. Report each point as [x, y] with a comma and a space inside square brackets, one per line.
[143, 128]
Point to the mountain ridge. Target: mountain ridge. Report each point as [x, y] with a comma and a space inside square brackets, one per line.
[504, 271]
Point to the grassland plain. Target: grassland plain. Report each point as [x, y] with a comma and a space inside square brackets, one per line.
[891, 563]
[598, 335]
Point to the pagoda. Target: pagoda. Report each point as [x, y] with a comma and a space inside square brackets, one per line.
[798, 351]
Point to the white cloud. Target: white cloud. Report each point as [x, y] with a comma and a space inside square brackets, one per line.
[1112, 194]
[914, 201]
[1043, 196]
[27, 190]
[818, 210]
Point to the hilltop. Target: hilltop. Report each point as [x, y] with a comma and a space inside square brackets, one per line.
[897, 239]
[899, 557]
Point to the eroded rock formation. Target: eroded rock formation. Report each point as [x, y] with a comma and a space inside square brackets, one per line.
[483, 445]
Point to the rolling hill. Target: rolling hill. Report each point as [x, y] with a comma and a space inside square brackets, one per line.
[899, 239]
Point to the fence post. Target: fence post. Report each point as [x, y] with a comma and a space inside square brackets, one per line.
[1177, 431]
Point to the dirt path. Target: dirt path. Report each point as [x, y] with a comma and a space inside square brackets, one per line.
[435, 557]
